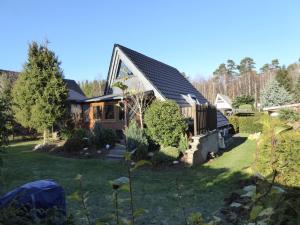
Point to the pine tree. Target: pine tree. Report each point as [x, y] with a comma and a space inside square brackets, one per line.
[40, 93]
[297, 90]
[275, 95]
[283, 79]
[4, 120]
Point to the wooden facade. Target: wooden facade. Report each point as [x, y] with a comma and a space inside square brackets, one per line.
[108, 113]
[204, 118]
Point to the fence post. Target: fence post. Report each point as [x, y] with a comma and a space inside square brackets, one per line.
[194, 113]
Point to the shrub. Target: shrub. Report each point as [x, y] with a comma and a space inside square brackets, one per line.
[249, 124]
[165, 155]
[242, 100]
[183, 143]
[109, 136]
[102, 136]
[286, 157]
[165, 123]
[136, 139]
[78, 140]
[246, 107]
[288, 115]
[234, 121]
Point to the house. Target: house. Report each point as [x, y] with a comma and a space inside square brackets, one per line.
[223, 103]
[162, 81]
[153, 77]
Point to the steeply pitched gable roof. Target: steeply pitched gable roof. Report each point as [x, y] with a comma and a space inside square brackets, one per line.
[75, 92]
[167, 80]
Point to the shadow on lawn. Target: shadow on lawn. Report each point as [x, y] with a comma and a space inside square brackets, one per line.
[234, 142]
[201, 189]
[198, 189]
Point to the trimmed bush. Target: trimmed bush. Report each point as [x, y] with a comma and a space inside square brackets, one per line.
[102, 136]
[165, 155]
[250, 124]
[246, 107]
[286, 157]
[78, 140]
[165, 123]
[136, 139]
[246, 124]
[234, 121]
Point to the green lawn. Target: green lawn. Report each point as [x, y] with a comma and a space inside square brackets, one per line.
[203, 187]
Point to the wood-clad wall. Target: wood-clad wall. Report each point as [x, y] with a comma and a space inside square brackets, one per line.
[115, 123]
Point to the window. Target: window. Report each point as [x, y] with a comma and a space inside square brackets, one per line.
[121, 113]
[97, 112]
[123, 70]
[109, 112]
[86, 112]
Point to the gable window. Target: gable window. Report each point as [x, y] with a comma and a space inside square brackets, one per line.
[97, 112]
[123, 70]
[109, 112]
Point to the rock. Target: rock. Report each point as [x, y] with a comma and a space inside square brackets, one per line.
[249, 194]
[278, 189]
[37, 147]
[232, 217]
[233, 197]
[266, 212]
[235, 204]
[250, 188]
[150, 154]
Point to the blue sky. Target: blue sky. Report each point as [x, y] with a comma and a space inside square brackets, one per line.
[193, 36]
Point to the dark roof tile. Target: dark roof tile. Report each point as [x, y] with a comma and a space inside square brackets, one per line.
[167, 80]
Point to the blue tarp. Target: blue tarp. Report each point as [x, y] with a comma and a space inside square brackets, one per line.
[41, 194]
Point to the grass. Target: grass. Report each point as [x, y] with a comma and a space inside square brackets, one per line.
[203, 187]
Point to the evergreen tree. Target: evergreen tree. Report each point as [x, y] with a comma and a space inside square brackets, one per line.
[4, 120]
[6, 84]
[231, 67]
[275, 95]
[283, 79]
[297, 90]
[246, 65]
[40, 93]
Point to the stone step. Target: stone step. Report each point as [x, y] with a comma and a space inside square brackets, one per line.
[115, 156]
[117, 151]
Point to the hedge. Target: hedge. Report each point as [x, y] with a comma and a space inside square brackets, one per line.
[286, 158]
[250, 124]
[246, 124]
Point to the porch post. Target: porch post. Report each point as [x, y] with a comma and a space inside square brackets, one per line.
[194, 113]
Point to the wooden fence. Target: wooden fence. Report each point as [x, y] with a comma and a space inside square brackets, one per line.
[204, 117]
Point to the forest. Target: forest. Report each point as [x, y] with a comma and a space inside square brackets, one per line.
[234, 79]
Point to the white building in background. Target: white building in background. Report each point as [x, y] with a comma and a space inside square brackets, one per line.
[223, 103]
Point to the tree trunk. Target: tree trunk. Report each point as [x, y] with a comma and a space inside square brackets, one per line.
[141, 119]
[45, 136]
